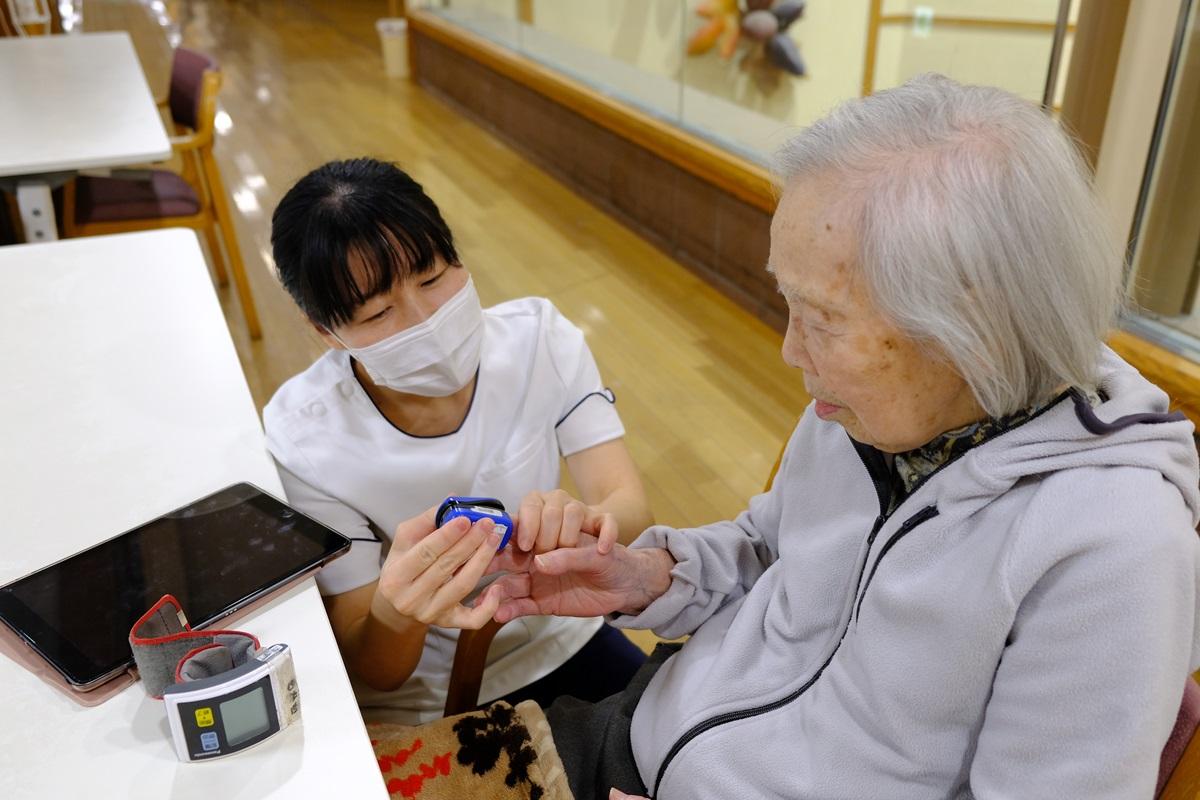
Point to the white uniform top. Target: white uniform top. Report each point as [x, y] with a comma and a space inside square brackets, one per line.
[537, 396]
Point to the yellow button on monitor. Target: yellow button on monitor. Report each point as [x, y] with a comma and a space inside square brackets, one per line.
[204, 717]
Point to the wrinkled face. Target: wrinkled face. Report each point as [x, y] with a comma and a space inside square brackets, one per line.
[864, 373]
[407, 303]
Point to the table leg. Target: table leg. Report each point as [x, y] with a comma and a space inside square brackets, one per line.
[37, 211]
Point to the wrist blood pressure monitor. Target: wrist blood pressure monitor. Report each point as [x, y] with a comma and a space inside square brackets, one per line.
[233, 710]
[222, 693]
[475, 509]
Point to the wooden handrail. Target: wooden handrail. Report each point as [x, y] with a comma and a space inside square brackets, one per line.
[1178, 376]
[973, 22]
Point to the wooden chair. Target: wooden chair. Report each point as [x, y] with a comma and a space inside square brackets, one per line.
[159, 198]
[466, 676]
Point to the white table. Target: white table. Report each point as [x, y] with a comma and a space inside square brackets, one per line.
[122, 399]
[67, 103]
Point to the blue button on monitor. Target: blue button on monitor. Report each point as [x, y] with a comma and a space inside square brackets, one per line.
[209, 741]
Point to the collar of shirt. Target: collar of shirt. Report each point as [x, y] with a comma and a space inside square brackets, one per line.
[912, 467]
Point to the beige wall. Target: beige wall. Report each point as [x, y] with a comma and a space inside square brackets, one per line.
[1015, 60]
[648, 36]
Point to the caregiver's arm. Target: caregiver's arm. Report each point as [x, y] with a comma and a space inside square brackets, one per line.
[608, 481]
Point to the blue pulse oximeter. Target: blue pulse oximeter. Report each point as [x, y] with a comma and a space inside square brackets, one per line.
[475, 509]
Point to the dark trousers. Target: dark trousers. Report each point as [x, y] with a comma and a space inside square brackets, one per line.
[592, 739]
[602, 667]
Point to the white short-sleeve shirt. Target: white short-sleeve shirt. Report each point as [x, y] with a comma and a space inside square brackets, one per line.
[538, 396]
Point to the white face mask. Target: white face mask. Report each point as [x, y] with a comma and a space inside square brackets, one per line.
[435, 358]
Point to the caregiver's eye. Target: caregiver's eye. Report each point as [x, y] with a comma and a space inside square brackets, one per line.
[433, 280]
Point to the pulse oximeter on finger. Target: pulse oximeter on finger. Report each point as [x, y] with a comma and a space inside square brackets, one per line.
[475, 509]
[234, 710]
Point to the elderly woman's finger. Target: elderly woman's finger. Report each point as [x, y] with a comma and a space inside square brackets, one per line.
[510, 559]
[567, 559]
[472, 618]
[512, 594]
[510, 587]
[616, 794]
[518, 607]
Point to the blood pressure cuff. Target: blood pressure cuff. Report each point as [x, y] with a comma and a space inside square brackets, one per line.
[167, 650]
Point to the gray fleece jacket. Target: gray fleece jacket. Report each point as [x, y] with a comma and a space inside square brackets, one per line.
[1021, 626]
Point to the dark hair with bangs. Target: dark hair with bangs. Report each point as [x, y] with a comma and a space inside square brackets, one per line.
[363, 206]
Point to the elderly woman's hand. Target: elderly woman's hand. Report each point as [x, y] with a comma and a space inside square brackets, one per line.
[578, 581]
[616, 794]
[549, 520]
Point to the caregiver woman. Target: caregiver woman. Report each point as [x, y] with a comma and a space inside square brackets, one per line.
[424, 394]
[975, 574]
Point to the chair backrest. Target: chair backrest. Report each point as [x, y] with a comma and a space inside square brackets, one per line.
[186, 97]
[466, 676]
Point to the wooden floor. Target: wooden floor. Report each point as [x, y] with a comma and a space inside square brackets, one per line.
[705, 398]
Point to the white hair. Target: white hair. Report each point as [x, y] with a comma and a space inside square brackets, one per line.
[978, 232]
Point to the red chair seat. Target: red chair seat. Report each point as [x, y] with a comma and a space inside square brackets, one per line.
[165, 194]
[1186, 724]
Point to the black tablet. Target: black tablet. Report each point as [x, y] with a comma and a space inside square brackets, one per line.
[215, 556]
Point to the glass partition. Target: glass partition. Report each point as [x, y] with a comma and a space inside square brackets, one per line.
[492, 19]
[1165, 274]
[1002, 44]
[631, 49]
[743, 73]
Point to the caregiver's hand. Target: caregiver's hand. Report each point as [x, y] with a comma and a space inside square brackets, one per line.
[578, 581]
[617, 794]
[428, 572]
[549, 520]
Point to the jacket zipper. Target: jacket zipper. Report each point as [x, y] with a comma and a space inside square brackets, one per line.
[879, 480]
[926, 513]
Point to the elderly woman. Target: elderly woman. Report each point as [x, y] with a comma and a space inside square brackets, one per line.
[975, 574]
